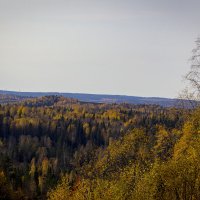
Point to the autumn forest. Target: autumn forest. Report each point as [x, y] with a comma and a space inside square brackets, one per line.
[59, 148]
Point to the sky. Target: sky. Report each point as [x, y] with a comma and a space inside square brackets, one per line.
[126, 47]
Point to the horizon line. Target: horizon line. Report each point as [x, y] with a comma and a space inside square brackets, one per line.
[83, 93]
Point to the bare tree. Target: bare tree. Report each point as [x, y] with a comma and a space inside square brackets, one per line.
[192, 90]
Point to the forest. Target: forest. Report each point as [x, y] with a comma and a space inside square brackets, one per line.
[99, 100]
[54, 147]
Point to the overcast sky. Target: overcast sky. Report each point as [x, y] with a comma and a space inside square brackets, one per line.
[138, 48]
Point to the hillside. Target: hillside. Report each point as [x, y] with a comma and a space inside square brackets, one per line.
[99, 98]
[48, 139]
[59, 148]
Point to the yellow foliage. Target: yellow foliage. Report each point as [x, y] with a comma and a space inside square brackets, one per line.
[62, 190]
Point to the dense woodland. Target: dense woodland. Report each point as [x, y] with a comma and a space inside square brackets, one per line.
[10, 98]
[59, 148]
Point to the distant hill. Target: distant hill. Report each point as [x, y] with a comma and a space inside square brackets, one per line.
[13, 96]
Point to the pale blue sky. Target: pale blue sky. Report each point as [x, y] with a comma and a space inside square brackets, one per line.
[138, 48]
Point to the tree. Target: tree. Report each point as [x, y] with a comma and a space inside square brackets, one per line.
[192, 89]
[62, 190]
[5, 188]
